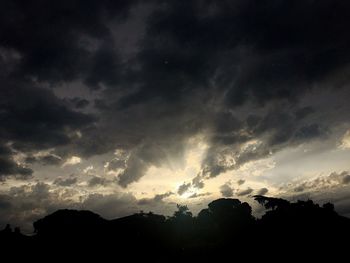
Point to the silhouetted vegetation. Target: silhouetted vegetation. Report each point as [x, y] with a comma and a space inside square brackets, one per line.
[225, 229]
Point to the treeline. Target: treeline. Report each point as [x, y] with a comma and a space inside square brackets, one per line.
[225, 228]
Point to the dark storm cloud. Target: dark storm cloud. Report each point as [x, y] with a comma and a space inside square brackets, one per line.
[309, 132]
[304, 112]
[34, 119]
[233, 52]
[105, 67]
[55, 39]
[50, 43]
[250, 51]
[8, 167]
[79, 103]
[232, 70]
[284, 46]
[4, 204]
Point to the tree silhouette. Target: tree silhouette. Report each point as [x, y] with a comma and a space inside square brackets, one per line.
[182, 212]
[271, 203]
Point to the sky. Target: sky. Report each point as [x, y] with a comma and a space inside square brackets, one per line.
[126, 106]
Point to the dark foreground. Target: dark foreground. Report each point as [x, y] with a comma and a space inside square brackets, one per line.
[226, 229]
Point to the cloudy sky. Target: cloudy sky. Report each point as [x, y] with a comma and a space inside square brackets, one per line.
[122, 106]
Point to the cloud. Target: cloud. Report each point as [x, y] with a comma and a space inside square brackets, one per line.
[22, 205]
[226, 190]
[258, 138]
[303, 112]
[245, 192]
[198, 51]
[44, 159]
[223, 63]
[72, 161]
[198, 195]
[79, 103]
[240, 181]
[345, 142]
[141, 158]
[116, 164]
[262, 191]
[50, 57]
[99, 181]
[36, 119]
[183, 188]
[135, 169]
[66, 182]
[8, 167]
[197, 182]
[160, 197]
[274, 70]
[88, 170]
[346, 179]
[299, 188]
[70, 83]
[156, 199]
[320, 183]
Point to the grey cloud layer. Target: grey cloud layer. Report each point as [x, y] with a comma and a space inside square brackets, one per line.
[320, 183]
[22, 205]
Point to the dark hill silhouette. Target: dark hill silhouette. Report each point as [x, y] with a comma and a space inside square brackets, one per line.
[224, 229]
